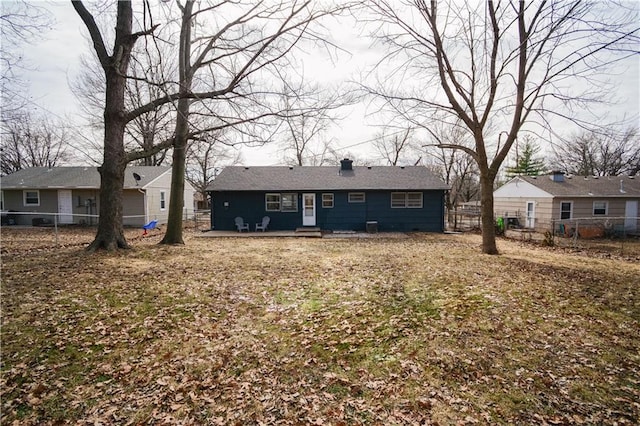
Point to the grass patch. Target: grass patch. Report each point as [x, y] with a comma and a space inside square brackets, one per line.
[375, 331]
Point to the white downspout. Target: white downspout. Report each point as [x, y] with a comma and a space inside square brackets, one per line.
[146, 208]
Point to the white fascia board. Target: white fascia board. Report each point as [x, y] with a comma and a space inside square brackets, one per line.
[518, 188]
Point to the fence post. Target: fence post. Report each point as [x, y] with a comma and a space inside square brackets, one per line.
[55, 225]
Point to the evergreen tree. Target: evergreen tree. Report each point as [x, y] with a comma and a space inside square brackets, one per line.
[528, 163]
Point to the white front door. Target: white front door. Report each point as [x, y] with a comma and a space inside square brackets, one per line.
[631, 216]
[308, 209]
[65, 206]
[531, 214]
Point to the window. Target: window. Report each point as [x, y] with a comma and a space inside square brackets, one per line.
[163, 202]
[287, 202]
[406, 200]
[398, 200]
[599, 208]
[414, 200]
[31, 198]
[327, 201]
[565, 209]
[356, 197]
[272, 202]
[1, 200]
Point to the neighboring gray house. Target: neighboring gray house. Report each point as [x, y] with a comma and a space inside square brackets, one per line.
[74, 191]
[539, 201]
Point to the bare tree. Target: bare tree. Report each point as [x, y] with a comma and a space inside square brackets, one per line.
[395, 147]
[309, 111]
[206, 156]
[496, 66]
[455, 167]
[32, 142]
[143, 132]
[600, 153]
[21, 22]
[110, 234]
[244, 42]
[256, 37]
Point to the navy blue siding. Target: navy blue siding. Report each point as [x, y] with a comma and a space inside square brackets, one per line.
[343, 216]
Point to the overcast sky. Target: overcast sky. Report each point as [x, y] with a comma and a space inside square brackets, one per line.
[55, 59]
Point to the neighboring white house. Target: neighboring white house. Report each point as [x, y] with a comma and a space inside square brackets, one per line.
[74, 193]
[538, 202]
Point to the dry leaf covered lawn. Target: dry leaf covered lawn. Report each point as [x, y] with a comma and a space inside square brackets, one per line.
[424, 330]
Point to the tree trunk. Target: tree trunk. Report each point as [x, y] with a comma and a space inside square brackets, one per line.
[173, 234]
[488, 226]
[110, 234]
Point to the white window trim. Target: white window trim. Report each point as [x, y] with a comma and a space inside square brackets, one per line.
[570, 209]
[24, 198]
[606, 208]
[364, 197]
[163, 201]
[331, 200]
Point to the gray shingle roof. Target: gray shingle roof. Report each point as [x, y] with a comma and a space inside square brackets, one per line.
[323, 178]
[580, 186]
[75, 177]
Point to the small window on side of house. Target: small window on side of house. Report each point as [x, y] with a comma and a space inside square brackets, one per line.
[356, 197]
[163, 200]
[599, 208]
[1, 200]
[31, 197]
[565, 209]
[327, 201]
[272, 202]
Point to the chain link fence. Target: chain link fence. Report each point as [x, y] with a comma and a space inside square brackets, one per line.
[55, 228]
[596, 234]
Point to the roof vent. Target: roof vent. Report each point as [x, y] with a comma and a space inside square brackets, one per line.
[369, 167]
[557, 176]
[346, 164]
[402, 167]
[246, 167]
[290, 167]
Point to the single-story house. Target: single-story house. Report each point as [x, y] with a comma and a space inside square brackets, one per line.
[540, 202]
[340, 198]
[74, 193]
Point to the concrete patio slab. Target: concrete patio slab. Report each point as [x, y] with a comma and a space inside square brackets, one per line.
[294, 234]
